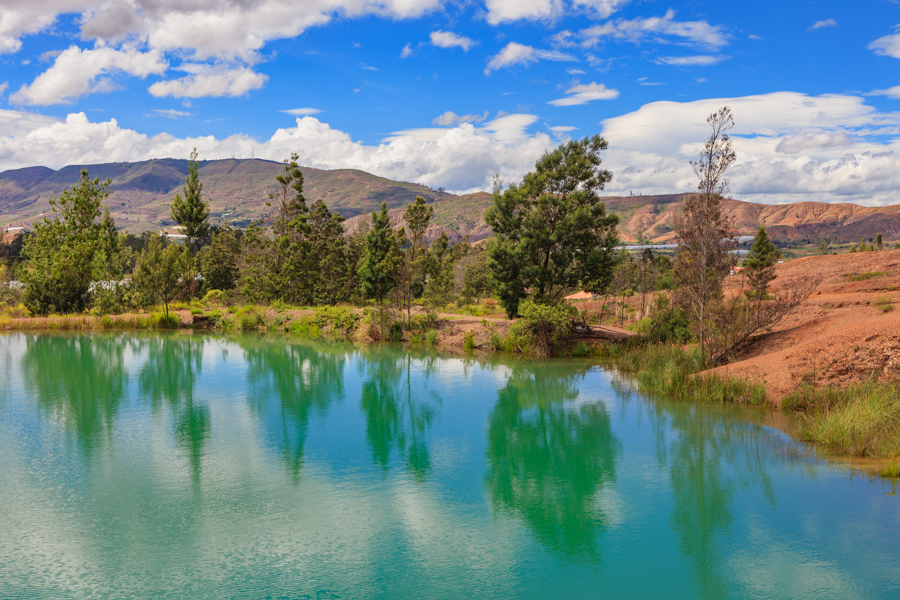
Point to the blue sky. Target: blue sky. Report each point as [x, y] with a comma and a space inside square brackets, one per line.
[450, 93]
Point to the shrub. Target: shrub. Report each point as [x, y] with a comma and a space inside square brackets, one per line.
[163, 321]
[249, 317]
[581, 349]
[431, 338]
[213, 297]
[864, 276]
[884, 304]
[469, 340]
[546, 327]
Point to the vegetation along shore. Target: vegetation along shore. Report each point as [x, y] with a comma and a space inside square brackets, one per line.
[809, 336]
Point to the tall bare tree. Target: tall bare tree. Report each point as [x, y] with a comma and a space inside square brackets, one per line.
[705, 234]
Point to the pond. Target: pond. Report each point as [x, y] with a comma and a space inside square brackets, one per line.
[201, 466]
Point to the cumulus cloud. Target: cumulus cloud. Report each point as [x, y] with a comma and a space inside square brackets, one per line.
[210, 80]
[302, 112]
[821, 24]
[790, 147]
[584, 93]
[505, 11]
[450, 118]
[519, 54]
[76, 72]
[463, 158]
[448, 39]
[653, 29]
[600, 9]
[703, 60]
[406, 52]
[888, 45]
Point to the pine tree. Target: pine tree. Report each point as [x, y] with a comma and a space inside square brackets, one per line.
[328, 255]
[379, 267]
[417, 217]
[191, 211]
[879, 242]
[760, 266]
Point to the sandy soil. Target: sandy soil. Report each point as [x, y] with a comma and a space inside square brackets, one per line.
[838, 335]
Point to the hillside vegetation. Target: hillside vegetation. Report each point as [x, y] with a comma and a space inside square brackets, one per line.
[238, 191]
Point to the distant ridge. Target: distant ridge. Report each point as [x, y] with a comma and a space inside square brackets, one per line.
[238, 190]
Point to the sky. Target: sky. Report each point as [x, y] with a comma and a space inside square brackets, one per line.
[449, 94]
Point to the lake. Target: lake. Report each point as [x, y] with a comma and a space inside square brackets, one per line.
[201, 466]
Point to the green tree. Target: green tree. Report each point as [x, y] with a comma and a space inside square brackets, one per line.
[219, 261]
[760, 266]
[417, 217]
[879, 242]
[275, 251]
[439, 268]
[328, 256]
[160, 272]
[476, 277]
[552, 229]
[191, 211]
[61, 255]
[379, 267]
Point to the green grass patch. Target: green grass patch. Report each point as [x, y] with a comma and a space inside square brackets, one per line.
[864, 276]
[884, 303]
[862, 419]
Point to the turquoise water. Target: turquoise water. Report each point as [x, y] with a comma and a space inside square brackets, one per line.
[192, 466]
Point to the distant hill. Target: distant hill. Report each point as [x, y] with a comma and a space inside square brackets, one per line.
[238, 191]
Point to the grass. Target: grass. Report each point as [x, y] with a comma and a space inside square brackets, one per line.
[672, 371]
[864, 276]
[469, 340]
[431, 337]
[884, 304]
[861, 420]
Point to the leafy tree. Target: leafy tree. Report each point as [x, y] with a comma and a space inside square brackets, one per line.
[327, 251]
[417, 217]
[439, 268]
[219, 261]
[61, 253]
[760, 266]
[476, 277]
[160, 272]
[273, 266]
[378, 269]
[191, 211]
[703, 258]
[824, 247]
[355, 250]
[552, 229]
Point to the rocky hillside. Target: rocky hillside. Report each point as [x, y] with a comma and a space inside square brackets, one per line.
[238, 191]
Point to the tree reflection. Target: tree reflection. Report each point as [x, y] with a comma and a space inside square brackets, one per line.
[398, 411]
[173, 366]
[289, 381]
[709, 455]
[547, 462]
[80, 380]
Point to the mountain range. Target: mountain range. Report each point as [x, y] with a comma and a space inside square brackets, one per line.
[238, 190]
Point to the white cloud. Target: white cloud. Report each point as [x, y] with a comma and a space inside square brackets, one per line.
[302, 112]
[463, 158]
[210, 80]
[77, 72]
[450, 118]
[169, 113]
[888, 45]
[584, 93]
[790, 147]
[892, 92]
[406, 52]
[754, 37]
[575, 72]
[519, 54]
[3, 87]
[655, 29]
[600, 9]
[505, 11]
[821, 24]
[448, 39]
[704, 60]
